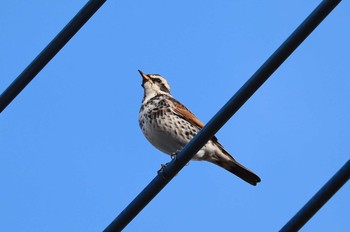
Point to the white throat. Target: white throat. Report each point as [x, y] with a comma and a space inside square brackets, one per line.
[151, 90]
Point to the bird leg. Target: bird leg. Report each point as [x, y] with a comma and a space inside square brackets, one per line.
[173, 155]
[162, 168]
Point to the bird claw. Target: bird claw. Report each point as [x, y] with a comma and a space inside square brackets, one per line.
[173, 155]
[162, 168]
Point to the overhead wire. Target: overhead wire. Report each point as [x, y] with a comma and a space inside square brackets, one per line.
[224, 114]
[44, 57]
[318, 200]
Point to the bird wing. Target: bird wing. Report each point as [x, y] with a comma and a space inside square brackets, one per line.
[183, 112]
[233, 166]
[186, 114]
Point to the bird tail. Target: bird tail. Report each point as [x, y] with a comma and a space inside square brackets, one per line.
[231, 165]
[240, 171]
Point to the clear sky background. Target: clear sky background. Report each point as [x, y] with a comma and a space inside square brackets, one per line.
[72, 155]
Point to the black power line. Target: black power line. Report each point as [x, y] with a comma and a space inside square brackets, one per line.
[226, 112]
[319, 199]
[49, 52]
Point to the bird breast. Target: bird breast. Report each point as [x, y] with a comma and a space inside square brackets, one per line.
[163, 128]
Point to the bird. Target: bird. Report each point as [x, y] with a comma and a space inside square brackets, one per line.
[168, 125]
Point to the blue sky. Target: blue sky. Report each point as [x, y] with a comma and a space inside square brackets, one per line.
[72, 155]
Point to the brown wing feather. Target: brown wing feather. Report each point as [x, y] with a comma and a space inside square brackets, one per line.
[232, 166]
[188, 115]
[182, 111]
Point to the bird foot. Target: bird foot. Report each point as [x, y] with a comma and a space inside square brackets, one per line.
[162, 168]
[173, 155]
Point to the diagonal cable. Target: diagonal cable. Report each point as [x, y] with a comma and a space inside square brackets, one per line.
[318, 200]
[225, 113]
[49, 52]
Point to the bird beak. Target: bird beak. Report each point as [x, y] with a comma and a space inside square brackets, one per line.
[144, 76]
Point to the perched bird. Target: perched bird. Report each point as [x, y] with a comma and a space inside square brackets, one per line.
[169, 126]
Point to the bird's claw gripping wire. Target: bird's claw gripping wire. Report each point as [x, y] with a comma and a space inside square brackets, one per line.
[160, 171]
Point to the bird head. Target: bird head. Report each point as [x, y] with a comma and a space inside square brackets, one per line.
[153, 85]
